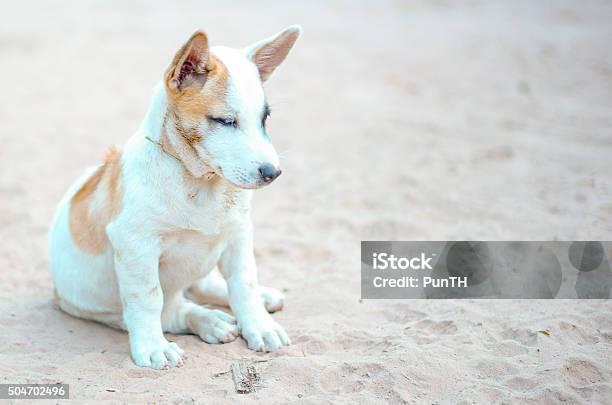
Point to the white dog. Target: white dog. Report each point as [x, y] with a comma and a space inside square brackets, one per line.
[156, 220]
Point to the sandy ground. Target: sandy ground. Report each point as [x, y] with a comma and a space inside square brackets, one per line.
[397, 120]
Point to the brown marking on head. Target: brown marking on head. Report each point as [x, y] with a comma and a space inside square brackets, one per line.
[196, 84]
[96, 203]
[190, 136]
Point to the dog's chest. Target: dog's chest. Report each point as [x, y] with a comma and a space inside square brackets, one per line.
[209, 208]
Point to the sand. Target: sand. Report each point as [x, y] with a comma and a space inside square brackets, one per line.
[396, 120]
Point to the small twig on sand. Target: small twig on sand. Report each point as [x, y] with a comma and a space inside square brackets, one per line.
[219, 374]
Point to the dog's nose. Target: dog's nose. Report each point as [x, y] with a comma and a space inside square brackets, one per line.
[268, 172]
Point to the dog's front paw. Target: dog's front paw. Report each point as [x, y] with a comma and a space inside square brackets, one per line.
[213, 326]
[158, 355]
[264, 334]
[272, 298]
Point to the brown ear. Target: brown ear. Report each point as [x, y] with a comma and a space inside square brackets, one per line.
[189, 66]
[271, 52]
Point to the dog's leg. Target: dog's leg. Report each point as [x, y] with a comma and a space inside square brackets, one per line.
[212, 290]
[212, 325]
[136, 264]
[237, 265]
[179, 268]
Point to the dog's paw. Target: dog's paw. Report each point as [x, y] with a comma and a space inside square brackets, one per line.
[264, 334]
[214, 326]
[272, 298]
[158, 355]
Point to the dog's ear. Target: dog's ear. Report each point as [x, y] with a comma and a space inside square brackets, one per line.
[271, 52]
[189, 66]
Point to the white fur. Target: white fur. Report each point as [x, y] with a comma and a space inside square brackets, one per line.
[172, 231]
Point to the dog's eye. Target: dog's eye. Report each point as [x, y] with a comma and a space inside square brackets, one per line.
[226, 122]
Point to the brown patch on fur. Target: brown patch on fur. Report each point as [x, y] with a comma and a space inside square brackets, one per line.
[191, 137]
[196, 87]
[193, 104]
[96, 203]
[196, 84]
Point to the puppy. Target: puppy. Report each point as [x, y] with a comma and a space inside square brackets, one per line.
[169, 215]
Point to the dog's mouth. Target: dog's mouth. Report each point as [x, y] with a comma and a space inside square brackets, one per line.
[252, 186]
[247, 186]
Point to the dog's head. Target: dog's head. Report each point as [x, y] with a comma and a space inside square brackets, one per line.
[218, 109]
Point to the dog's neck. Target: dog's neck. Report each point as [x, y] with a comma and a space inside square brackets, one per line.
[159, 128]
